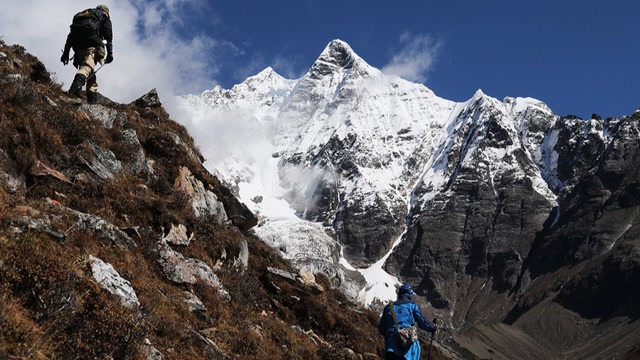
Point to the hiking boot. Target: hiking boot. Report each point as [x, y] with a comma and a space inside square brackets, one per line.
[77, 84]
[92, 97]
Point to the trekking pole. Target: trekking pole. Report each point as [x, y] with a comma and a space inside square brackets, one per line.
[95, 72]
[435, 321]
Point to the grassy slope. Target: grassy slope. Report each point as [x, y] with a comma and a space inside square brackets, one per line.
[50, 306]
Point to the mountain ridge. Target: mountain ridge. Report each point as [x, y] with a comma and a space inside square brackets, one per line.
[460, 199]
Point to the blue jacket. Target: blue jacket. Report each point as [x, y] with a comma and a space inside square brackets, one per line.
[407, 314]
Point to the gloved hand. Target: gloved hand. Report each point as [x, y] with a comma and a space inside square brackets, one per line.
[65, 58]
[109, 57]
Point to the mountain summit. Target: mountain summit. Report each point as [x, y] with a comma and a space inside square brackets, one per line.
[507, 218]
[339, 55]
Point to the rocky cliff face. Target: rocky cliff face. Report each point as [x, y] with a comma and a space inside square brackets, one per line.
[503, 215]
[116, 242]
[479, 221]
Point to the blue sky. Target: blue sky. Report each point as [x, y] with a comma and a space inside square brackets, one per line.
[579, 57]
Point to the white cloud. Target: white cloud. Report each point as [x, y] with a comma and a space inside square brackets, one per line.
[416, 57]
[148, 51]
[289, 67]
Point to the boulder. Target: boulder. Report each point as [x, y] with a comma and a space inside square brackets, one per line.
[105, 115]
[109, 279]
[98, 226]
[187, 271]
[150, 99]
[203, 201]
[40, 169]
[149, 351]
[177, 235]
[10, 180]
[103, 163]
[193, 302]
[138, 165]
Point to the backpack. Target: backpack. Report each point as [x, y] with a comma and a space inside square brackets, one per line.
[406, 335]
[85, 28]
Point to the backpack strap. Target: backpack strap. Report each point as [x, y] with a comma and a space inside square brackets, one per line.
[393, 313]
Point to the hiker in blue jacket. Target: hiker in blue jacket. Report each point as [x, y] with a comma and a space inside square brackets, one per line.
[407, 313]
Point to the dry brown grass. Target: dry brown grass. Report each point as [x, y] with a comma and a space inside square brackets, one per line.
[50, 306]
[21, 337]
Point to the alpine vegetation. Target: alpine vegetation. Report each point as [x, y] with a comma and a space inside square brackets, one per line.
[117, 243]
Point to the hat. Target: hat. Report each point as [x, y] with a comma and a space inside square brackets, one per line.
[405, 289]
[103, 8]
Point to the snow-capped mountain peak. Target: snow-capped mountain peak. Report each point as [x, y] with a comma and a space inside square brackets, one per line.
[268, 77]
[479, 94]
[361, 152]
[339, 57]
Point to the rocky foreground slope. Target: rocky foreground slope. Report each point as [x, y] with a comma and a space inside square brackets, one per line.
[116, 243]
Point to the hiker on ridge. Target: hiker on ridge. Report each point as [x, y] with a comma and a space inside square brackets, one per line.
[400, 314]
[88, 30]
